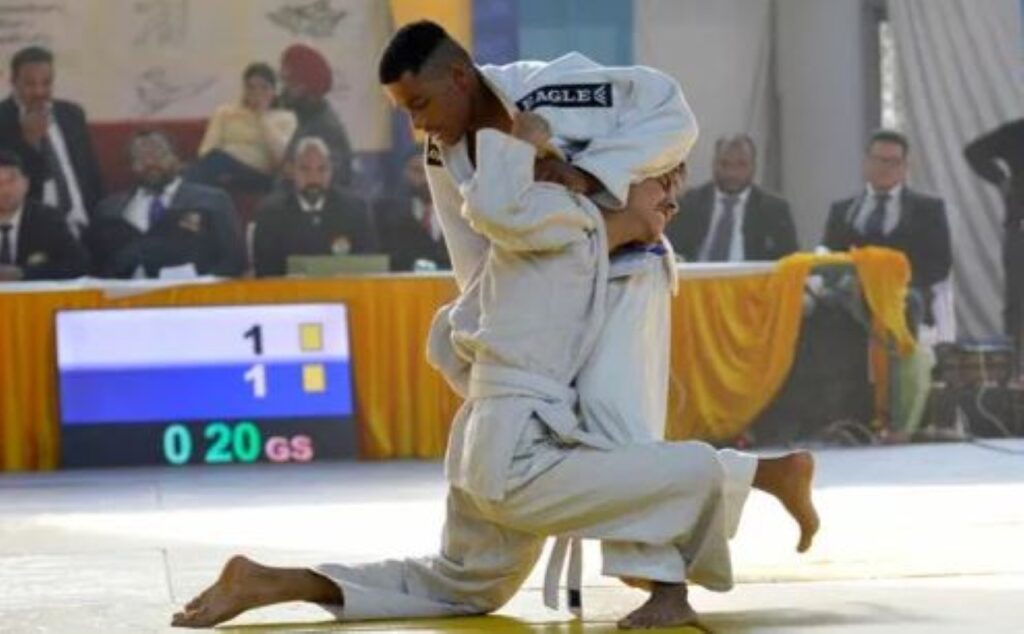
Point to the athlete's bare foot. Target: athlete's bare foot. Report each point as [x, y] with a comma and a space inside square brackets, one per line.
[244, 584]
[789, 478]
[668, 606]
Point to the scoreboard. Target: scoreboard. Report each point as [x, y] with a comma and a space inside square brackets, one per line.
[206, 385]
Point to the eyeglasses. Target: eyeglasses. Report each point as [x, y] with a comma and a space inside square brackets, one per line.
[886, 161]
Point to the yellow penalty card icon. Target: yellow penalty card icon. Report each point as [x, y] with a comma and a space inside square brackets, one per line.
[314, 378]
[311, 337]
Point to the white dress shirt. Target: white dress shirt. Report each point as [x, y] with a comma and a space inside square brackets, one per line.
[737, 251]
[12, 236]
[311, 208]
[421, 210]
[137, 210]
[77, 216]
[893, 209]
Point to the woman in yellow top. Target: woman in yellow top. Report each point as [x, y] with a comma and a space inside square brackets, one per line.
[245, 143]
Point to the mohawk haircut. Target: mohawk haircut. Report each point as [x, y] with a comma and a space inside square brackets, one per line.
[413, 46]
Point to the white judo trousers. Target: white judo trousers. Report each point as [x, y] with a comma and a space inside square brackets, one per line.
[663, 511]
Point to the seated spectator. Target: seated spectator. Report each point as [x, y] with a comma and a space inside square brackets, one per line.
[307, 79]
[731, 218]
[52, 139]
[309, 216]
[244, 144]
[165, 221]
[409, 230]
[35, 241]
[890, 214]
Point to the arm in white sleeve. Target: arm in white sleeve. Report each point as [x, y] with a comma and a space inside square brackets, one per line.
[506, 205]
[466, 247]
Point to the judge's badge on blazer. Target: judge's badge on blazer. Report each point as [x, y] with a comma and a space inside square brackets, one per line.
[568, 96]
[191, 221]
[433, 151]
[341, 246]
[37, 258]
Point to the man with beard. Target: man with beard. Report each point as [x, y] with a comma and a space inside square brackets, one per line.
[164, 221]
[309, 217]
[307, 79]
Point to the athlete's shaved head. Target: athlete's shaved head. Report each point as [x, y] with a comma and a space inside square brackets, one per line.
[431, 76]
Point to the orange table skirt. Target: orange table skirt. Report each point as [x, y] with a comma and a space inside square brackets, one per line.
[733, 342]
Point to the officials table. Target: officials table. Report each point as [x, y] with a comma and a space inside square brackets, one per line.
[734, 331]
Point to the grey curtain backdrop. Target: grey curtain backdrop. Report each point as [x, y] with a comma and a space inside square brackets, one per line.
[959, 68]
[721, 53]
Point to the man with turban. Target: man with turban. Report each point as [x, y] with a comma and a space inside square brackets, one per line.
[306, 77]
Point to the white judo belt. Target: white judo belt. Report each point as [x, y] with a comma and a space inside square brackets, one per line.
[574, 577]
[556, 407]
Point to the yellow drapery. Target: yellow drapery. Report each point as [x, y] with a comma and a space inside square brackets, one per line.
[734, 339]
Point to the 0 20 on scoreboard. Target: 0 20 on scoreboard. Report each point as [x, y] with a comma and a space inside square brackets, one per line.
[205, 385]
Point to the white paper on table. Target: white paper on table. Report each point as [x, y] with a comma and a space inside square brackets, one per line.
[180, 272]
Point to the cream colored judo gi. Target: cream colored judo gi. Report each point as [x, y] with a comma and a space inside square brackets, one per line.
[664, 511]
[619, 124]
[522, 464]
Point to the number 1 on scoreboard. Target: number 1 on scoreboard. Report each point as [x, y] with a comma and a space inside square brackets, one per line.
[256, 334]
[257, 375]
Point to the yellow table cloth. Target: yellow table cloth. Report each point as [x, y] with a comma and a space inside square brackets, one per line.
[733, 342]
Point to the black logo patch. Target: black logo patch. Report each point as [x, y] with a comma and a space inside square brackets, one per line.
[568, 96]
[433, 153]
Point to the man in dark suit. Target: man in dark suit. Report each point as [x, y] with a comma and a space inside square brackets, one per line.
[890, 214]
[998, 157]
[52, 139]
[408, 227]
[165, 221]
[309, 216]
[35, 242]
[731, 218]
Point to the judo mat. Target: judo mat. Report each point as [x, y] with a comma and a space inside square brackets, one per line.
[914, 539]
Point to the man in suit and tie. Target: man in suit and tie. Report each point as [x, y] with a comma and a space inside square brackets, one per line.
[890, 214]
[408, 226]
[310, 216]
[52, 139]
[35, 242]
[731, 218]
[165, 221]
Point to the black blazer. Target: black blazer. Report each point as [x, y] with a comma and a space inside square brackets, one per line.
[922, 234]
[404, 238]
[768, 229]
[199, 227]
[71, 119]
[46, 250]
[283, 229]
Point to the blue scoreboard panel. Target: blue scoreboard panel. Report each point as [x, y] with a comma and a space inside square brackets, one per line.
[208, 385]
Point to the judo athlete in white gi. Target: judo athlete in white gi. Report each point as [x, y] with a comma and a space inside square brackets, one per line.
[522, 466]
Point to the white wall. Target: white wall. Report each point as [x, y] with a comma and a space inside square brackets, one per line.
[720, 52]
[823, 109]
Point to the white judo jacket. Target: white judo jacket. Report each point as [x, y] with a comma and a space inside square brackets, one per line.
[620, 124]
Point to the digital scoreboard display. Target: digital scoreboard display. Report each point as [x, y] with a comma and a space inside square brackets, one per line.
[208, 385]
